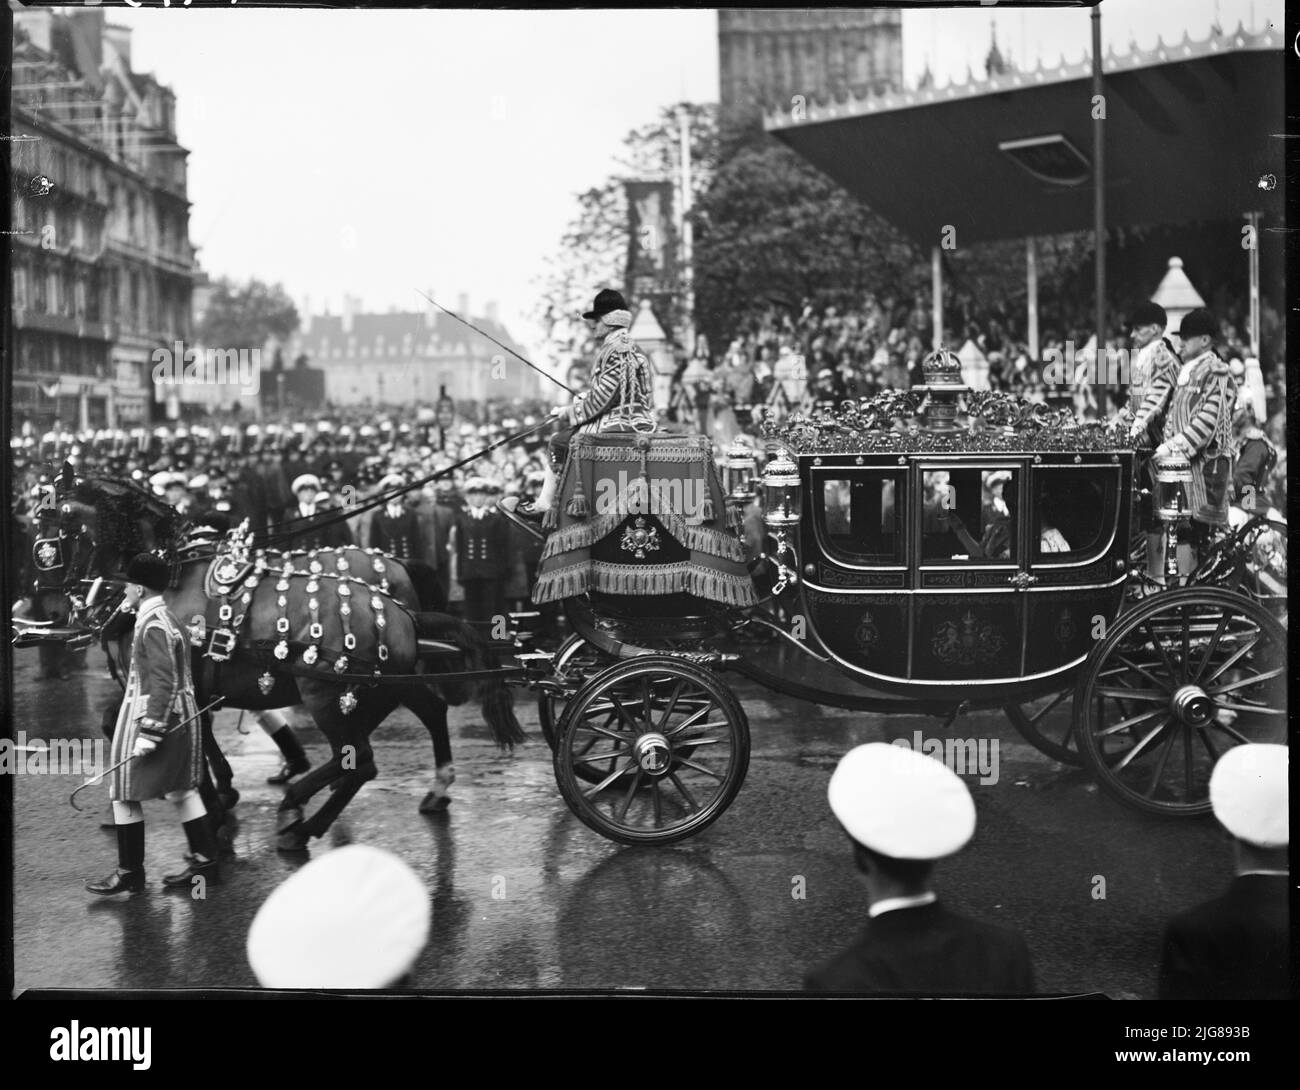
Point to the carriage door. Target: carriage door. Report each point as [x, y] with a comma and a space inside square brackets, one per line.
[1077, 557]
[969, 555]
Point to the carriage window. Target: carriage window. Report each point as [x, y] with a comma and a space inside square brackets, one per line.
[858, 516]
[969, 514]
[1070, 509]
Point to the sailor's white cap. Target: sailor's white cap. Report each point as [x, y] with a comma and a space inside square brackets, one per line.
[1250, 796]
[901, 803]
[356, 917]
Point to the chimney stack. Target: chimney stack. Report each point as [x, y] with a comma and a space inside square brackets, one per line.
[462, 306]
[490, 310]
[304, 316]
[430, 311]
[349, 312]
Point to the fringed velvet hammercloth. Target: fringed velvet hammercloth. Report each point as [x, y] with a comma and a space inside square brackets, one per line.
[642, 515]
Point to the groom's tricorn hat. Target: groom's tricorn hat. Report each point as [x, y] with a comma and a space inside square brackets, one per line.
[149, 571]
[607, 299]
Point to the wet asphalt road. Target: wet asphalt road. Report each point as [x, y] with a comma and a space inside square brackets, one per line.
[525, 896]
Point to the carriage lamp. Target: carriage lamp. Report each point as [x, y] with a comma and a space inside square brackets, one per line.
[1172, 505]
[738, 471]
[1173, 475]
[782, 510]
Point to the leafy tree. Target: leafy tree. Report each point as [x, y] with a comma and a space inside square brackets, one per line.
[594, 248]
[772, 228]
[246, 315]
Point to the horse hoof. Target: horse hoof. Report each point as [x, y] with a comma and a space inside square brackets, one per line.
[434, 804]
[287, 819]
[291, 840]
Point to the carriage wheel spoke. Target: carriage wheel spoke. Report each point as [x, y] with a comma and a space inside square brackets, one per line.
[1160, 650]
[624, 714]
[1143, 671]
[1235, 656]
[1132, 721]
[658, 804]
[676, 732]
[620, 738]
[597, 788]
[1230, 731]
[1212, 646]
[1033, 719]
[688, 763]
[1128, 757]
[672, 704]
[677, 783]
[1267, 675]
[1121, 692]
[1209, 746]
[689, 720]
[1160, 764]
[1255, 709]
[1187, 762]
[631, 793]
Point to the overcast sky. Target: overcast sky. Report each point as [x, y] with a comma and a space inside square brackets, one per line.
[377, 152]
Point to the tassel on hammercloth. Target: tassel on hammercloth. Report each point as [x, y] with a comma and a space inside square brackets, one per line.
[706, 508]
[577, 506]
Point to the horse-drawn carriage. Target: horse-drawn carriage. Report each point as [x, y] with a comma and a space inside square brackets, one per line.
[925, 570]
[907, 569]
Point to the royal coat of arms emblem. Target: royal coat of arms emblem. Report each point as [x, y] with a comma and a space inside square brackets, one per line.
[867, 633]
[968, 642]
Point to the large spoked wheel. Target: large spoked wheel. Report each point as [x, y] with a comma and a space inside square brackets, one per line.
[671, 744]
[1048, 726]
[1178, 681]
[576, 658]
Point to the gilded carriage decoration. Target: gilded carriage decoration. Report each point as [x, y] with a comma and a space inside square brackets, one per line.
[639, 539]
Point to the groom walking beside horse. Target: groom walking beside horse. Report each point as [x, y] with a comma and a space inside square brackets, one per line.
[156, 739]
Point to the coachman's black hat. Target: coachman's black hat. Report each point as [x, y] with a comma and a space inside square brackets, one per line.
[1198, 323]
[607, 299]
[1148, 314]
[149, 571]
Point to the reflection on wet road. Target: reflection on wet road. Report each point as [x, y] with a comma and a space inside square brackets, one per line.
[525, 896]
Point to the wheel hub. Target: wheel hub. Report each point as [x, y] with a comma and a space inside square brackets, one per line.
[653, 753]
[1192, 705]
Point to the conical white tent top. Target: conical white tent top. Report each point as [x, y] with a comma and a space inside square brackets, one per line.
[1176, 291]
[645, 326]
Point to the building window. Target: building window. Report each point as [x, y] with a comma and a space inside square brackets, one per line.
[79, 298]
[20, 289]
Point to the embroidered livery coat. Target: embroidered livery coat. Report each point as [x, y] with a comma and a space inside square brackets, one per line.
[159, 687]
[621, 377]
[1199, 424]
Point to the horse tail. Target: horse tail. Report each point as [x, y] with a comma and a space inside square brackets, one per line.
[496, 700]
[427, 588]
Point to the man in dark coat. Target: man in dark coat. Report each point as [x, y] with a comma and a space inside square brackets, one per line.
[396, 528]
[1237, 946]
[903, 810]
[482, 546]
[310, 534]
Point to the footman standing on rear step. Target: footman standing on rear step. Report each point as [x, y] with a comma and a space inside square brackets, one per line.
[157, 740]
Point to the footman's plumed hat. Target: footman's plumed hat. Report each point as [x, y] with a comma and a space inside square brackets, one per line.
[1249, 794]
[357, 917]
[900, 803]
